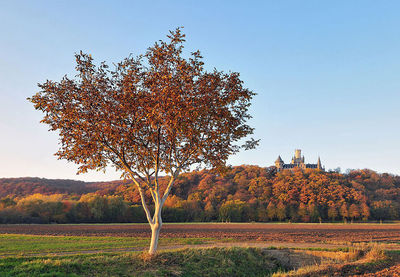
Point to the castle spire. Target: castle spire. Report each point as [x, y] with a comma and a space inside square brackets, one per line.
[319, 166]
[279, 163]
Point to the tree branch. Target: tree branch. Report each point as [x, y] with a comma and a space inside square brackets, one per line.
[124, 162]
[143, 199]
[170, 184]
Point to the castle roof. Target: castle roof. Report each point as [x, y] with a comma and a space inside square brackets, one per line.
[279, 159]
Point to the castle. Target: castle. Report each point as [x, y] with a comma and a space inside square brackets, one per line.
[297, 162]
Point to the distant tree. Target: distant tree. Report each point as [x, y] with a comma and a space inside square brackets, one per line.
[380, 210]
[354, 211]
[209, 212]
[344, 211]
[7, 202]
[158, 113]
[117, 209]
[332, 212]
[303, 213]
[260, 188]
[364, 209]
[233, 210]
[281, 211]
[313, 212]
[293, 212]
[192, 210]
[271, 211]
[262, 213]
[394, 210]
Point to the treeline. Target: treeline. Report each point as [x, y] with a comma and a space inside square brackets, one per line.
[240, 194]
[30, 185]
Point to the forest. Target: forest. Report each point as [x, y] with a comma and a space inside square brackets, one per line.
[238, 194]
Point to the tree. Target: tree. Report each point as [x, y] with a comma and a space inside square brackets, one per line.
[271, 211]
[354, 211]
[344, 212]
[281, 211]
[313, 212]
[303, 212]
[232, 210]
[332, 212]
[155, 114]
[7, 202]
[364, 209]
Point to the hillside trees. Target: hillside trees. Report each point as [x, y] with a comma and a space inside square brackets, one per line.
[155, 114]
[200, 195]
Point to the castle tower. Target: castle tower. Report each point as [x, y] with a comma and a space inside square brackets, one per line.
[297, 159]
[319, 166]
[279, 163]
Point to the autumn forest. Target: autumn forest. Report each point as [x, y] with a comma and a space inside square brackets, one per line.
[238, 194]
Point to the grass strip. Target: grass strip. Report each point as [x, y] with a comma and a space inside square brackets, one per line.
[188, 262]
[30, 244]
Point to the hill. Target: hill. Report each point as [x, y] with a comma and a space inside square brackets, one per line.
[241, 193]
[24, 186]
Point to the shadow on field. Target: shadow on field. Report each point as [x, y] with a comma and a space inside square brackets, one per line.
[293, 259]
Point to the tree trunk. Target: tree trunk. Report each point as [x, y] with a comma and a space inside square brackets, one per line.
[155, 232]
[155, 229]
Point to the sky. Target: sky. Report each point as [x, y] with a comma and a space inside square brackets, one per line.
[326, 73]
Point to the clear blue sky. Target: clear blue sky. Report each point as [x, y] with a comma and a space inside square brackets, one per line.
[327, 73]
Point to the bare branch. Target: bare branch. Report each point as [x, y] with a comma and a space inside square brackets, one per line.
[143, 199]
[170, 184]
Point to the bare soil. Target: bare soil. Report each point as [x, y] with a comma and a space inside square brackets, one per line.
[258, 232]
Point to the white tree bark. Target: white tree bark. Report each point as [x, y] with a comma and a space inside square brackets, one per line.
[155, 221]
[155, 228]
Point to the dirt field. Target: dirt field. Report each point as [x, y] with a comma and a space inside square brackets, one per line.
[291, 233]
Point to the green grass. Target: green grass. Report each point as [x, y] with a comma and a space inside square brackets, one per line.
[187, 262]
[11, 244]
[30, 255]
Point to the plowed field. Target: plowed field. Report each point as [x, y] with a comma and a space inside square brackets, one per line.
[298, 233]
